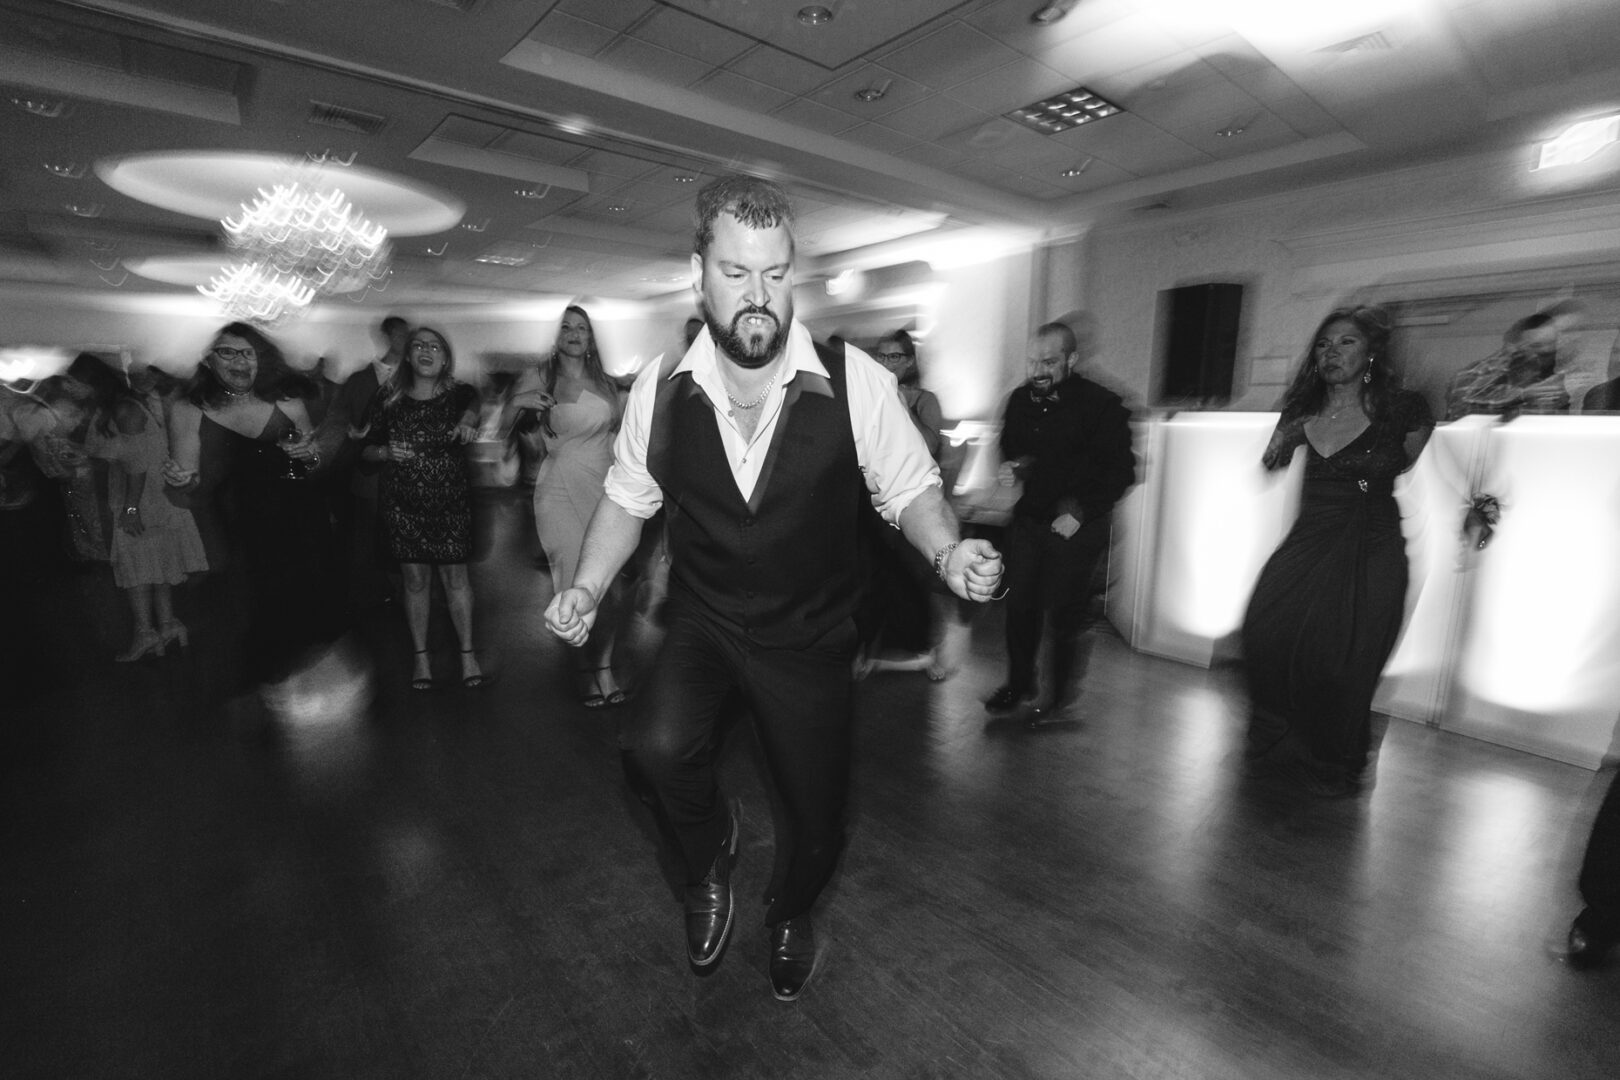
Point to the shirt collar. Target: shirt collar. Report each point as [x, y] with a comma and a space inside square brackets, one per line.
[700, 360]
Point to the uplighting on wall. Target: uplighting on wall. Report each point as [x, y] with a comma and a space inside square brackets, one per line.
[1579, 142]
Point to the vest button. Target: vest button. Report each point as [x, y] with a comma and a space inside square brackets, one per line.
[747, 522]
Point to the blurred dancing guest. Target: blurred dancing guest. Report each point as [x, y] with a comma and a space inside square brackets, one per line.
[419, 423]
[1520, 377]
[753, 442]
[63, 456]
[907, 607]
[1328, 605]
[1597, 928]
[1068, 440]
[242, 451]
[569, 411]
[155, 543]
[351, 482]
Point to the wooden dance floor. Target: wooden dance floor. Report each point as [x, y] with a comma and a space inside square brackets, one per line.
[456, 885]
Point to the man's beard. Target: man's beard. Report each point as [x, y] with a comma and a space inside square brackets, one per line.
[754, 350]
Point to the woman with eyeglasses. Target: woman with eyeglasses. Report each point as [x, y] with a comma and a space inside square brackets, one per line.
[417, 426]
[568, 411]
[242, 448]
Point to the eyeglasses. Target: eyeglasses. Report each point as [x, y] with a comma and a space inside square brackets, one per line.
[893, 356]
[426, 346]
[226, 352]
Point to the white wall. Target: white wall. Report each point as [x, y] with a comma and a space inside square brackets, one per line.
[1482, 224]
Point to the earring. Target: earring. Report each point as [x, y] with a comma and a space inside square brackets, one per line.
[1366, 376]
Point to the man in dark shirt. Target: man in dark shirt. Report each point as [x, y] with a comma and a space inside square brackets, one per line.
[1069, 441]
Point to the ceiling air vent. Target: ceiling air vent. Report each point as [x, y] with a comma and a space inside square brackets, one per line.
[336, 116]
[1374, 42]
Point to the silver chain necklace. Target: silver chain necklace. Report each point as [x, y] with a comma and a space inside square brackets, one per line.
[757, 402]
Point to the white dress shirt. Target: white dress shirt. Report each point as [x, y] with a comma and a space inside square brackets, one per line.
[891, 454]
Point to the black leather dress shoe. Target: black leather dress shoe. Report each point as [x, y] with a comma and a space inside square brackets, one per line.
[1586, 951]
[793, 957]
[1006, 699]
[709, 910]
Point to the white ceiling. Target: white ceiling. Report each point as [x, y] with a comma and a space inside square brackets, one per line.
[598, 108]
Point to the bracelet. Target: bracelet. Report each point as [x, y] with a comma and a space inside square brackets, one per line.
[132, 510]
[941, 555]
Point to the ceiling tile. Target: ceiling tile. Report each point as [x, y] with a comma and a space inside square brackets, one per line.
[460, 129]
[1033, 186]
[1098, 174]
[630, 54]
[535, 147]
[1009, 23]
[773, 67]
[858, 29]
[1010, 87]
[815, 116]
[733, 89]
[1132, 144]
[951, 55]
[673, 29]
[1127, 43]
[571, 34]
[932, 117]
[1191, 96]
[613, 14]
[878, 137]
[932, 155]
[898, 92]
[606, 163]
[1261, 131]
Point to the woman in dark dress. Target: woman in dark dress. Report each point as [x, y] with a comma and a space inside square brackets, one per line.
[1327, 608]
[419, 422]
[241, 446]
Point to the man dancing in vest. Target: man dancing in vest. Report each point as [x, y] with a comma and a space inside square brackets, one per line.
[756, 443]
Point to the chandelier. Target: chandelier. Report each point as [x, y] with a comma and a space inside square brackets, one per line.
[297, 243]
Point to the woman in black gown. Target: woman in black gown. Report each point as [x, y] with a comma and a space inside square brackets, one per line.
[418, 424]
[242, 447]
[1327, 608]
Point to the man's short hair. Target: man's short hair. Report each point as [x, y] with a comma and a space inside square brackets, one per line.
[1060, 330]
[392, 323]
[758, 204]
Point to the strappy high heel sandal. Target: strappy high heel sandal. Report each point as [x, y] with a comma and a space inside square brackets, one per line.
[422, 683]
[472, 682]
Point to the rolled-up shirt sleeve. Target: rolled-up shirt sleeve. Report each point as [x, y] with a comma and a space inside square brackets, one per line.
[896, 460]
[628, 483]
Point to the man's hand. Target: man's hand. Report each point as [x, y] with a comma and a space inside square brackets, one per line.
[571, 614]
[1065, 525]
[973, 570]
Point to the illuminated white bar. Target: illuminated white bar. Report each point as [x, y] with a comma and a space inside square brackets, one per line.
[1517, 645]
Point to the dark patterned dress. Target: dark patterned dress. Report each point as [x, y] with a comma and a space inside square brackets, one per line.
[427, 514]
[1327, 609]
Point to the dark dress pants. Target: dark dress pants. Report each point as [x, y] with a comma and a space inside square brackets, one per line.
[802, 705]
[1050, 576]
[1600, 871]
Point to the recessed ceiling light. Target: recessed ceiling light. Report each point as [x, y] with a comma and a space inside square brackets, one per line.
[1230, 130]
[67, 170]
[1063, 111]
[874, 92]
[683, 178]
[1047, 14]
[533, 193]
[475, 226]
[83, 209]
[41, 106]
[1078, 169]
[815, 15]
[616, 209]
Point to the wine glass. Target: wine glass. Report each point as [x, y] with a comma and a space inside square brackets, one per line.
[293, 469]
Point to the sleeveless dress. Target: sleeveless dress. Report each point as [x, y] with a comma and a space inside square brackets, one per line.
[169, 546]
[267, 524]
[1327, 609]
[571, 478]
[427, 514]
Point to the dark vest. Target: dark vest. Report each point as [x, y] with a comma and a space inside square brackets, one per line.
[781, 568]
